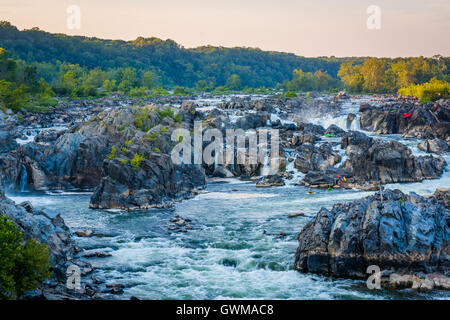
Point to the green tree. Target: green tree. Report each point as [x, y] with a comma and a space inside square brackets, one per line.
[204, 86]
[373, 71]
[69, 80]
[109, 85]
[12, 98]
[351, 76]
[178, 90]
[95, 78]
[301, 81]
[148, 80]
[234, 82]
[22, 266]
[404, 74]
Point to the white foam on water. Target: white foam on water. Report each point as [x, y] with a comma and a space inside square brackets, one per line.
[233, 196]
[34, 200]
[232, 181]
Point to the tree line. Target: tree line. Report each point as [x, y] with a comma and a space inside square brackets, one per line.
[174, 65]
[39, 65]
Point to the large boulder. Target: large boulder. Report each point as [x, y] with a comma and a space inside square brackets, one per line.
[434, 146]
[72, 161]
[275, 180]
[312, 158]
[335, 131]
[378, 162]
[252, 120]
[330, 178]
[399, 233]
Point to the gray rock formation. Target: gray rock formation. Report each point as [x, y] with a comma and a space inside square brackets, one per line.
[426, 121]
[402, 234]
[372, 162]
[375, 161]
[312, 158]
[275, 180]
[435, 145]
[157, 182]
[47, 226]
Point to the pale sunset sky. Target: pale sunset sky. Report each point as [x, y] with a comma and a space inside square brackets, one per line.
[304, 27]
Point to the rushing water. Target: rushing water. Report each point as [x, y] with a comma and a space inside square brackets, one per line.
[242, 244]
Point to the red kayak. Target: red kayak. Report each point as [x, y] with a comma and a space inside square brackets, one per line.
[406, 115]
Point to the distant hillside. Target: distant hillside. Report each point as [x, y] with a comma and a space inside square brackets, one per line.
[173, 64]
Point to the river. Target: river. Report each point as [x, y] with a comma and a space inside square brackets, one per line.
[234, 251]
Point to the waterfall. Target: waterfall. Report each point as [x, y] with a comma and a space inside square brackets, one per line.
[23, 179]
[290, 167]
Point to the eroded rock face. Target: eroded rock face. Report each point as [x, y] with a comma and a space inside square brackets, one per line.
[391, 161]
[73, 161]
[8, 135]
[312, 158]
[9, 165]
[434, 146]
[401, 233]
[157, 182]
[442, 196]
[252, 120]
[424, 121]
[335, 131]
[375, 161]
[330, 178]
[139, 172]
[48, 227]
[369, 163]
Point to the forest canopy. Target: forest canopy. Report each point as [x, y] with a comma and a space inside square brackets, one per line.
[36, 65]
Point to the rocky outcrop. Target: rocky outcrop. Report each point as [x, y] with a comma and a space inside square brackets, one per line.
[434, 146]
[375, 161]
[222, 172]
[369, 163]
[427, 121]
[442, 196]
[402, 234]
[335, 131]
[72, 161]
[9, 164]
[48, 227]
[157, 182]
[330, 178]
[275, 180]
[247, 104]
[139, 172]
[123, 154]
[312, 158]
[8, 135]
[252, 121]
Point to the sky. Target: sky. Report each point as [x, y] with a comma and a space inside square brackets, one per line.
[305, 27]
